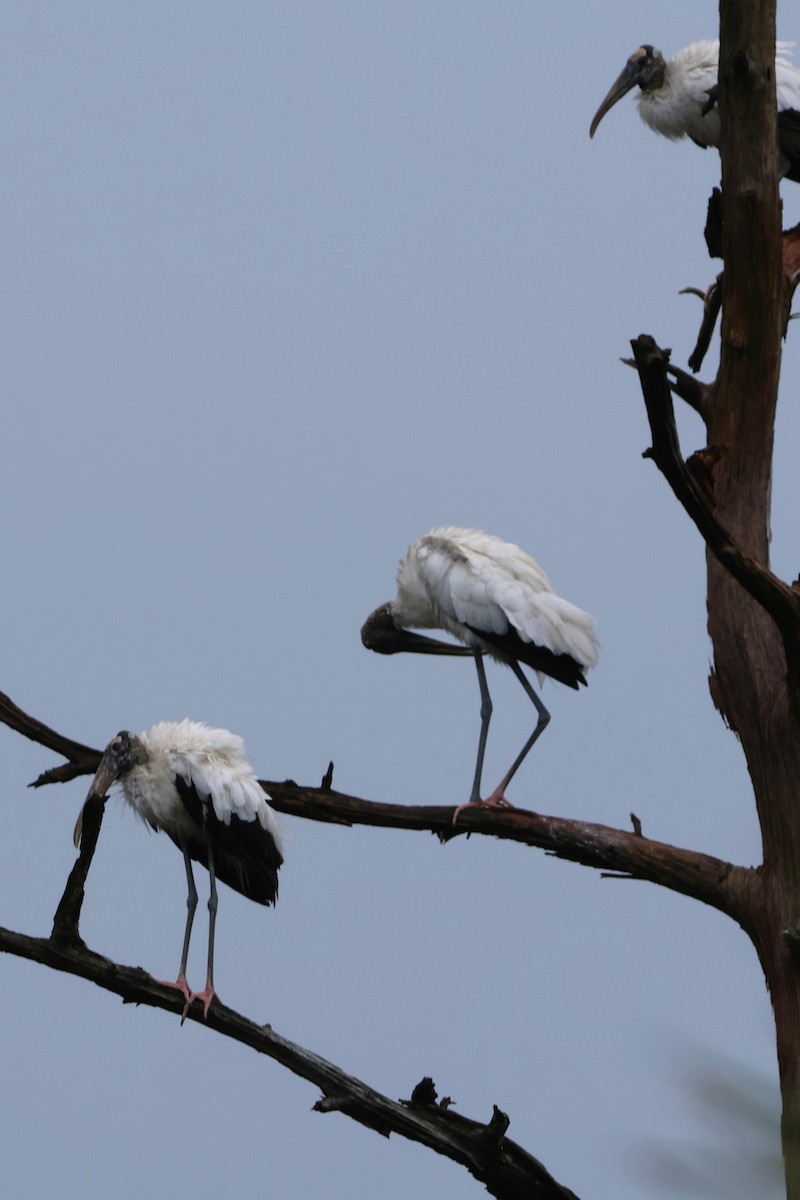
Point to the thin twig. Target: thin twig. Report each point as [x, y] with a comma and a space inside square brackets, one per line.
[712, 303]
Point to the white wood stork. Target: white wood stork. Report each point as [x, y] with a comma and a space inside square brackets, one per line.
[498, 601]
[676, 97]
[195, 784]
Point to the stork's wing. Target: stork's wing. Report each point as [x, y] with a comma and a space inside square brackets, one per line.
[246, 854]
[502, 594]
[472, 576]
[219, 768]
[560, 667]
[789, 142]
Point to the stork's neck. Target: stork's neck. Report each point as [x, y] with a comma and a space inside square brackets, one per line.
[680, 106]
[676, 111]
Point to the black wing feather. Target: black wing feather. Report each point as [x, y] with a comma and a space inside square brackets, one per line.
[789, 141]
[561, 667]
[245, 854]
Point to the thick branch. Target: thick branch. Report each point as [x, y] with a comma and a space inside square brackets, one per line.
[66, 923]
[694, 491]
[701, 876]
[508, 1171]
[623, 852]
[692, 391]
[81, 760]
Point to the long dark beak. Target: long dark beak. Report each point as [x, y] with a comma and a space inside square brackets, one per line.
[105, 777]
[380, 633]
[418, 643]
[620, 87]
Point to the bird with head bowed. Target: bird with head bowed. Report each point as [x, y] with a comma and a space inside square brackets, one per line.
[196, 785]
[496, 600]
[677, 97]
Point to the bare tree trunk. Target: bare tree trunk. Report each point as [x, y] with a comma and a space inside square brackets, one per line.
[753, 617]
[753, 689]
[753, 621]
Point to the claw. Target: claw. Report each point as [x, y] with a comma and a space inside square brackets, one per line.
[207, 995]
[496, 800]
[181, 985]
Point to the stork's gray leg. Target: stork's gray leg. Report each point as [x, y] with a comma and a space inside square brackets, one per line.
[208, 993]
[541, 724]
[486, 716]
[212, 921]
[191, 904]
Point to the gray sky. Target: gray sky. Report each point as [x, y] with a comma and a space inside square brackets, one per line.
[287, 284]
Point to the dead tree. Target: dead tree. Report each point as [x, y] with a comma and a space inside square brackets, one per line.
[754, 623]
[753, 617]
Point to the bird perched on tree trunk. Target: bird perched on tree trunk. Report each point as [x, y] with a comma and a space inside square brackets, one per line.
[498, 601]
[195, 784]
[677, 97]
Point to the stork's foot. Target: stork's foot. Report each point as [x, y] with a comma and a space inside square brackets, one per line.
[207, 995]
[496, 800]
[182, 985]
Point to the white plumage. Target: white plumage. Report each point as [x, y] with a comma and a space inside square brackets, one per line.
[469, 583]
[496, 600]
[212, 761]
[195, 784]
[676, 97]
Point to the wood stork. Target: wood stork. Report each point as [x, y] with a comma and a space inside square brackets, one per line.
[195, 784]
[676, 97]
[496, 600]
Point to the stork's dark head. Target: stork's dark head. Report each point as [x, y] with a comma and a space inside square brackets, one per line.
[645, 68]
[381, 633]
[121, 755]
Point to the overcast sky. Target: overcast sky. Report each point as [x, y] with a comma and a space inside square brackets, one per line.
[286, 284]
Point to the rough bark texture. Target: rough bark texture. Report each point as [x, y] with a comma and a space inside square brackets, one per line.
[750, 671]
[754, 623]
[507, 1171]
[726, 489]
[619, 852]
[505, 1168]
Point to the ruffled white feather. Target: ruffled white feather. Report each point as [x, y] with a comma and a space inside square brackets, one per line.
[213, 761]
[675, 110]
[463, 580]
